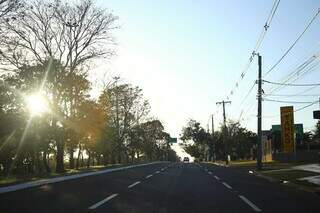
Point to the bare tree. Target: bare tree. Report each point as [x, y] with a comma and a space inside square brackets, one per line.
[71, 35]
[8, 6]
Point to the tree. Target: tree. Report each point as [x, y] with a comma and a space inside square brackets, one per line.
[73, 35]
[126, 108]
[199, 138]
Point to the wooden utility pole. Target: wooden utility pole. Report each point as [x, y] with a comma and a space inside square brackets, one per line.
[225, 129]
[259, 151]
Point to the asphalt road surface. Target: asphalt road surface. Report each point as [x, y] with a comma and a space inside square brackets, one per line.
[163, 187]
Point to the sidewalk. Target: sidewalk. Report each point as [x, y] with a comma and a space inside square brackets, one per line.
[311, 168]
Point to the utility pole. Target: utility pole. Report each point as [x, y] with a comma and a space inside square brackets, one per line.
[259, 151]
[117, 118]
[212, 125]
[225, 129]
[212, 136]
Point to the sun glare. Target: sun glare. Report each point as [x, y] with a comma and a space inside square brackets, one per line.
[36, 104]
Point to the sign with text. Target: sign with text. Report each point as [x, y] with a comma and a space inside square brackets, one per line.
[287, 129]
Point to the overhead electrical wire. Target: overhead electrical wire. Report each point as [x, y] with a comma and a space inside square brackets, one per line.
[288, 102]
[297, 110]
[257, 45]
[248, 93]
[294, 85]
[300, 71]
[293, 95]
[293, 44]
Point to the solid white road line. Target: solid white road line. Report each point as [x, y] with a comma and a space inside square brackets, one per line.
[36, 183]
[210, 173]
[216, 177]
[254, 207]
[103, 201]
[149, 176]
[132, 185]
[226, 185]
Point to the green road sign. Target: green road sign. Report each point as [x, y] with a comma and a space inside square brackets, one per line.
[173, 140]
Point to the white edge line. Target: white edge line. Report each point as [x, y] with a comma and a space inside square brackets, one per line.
[132, 185]
[254, 207]
[36, 183]
[103, 201]
[149, 176]
[226, 185]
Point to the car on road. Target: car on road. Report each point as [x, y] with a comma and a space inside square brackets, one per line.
[186, 160]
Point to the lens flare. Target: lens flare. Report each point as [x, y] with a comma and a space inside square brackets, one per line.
[36, 104]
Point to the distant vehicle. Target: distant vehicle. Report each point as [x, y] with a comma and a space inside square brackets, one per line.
[186, 160]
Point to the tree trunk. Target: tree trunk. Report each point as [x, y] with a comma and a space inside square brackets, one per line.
[88, 160]
[71, 158]
[78, 158]
[45, 162]
[59, 157]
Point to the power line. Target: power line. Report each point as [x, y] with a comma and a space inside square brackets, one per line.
[296, 72]
[250, 90]
[297, 110]
[293, 95]
[293, 44]
[257, 45]
[288, 102]
[296, 85]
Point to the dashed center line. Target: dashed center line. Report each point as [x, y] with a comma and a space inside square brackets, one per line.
[227, 185]
[254, 207]
[216, 177]
[149, 176]
[132, 185]
[103, 201]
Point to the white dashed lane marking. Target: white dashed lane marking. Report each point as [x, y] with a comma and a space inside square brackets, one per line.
[210, 173]
[149, 176]
[254, 207]
[216, 177]
[227, 185]
[157, 172]
[132, 185]
[103, 201]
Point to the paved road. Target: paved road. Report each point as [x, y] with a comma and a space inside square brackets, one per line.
[163, 188]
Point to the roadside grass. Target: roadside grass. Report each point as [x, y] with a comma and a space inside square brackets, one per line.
[15, 179]
[272, 165]
[292, 176]
[289, 175]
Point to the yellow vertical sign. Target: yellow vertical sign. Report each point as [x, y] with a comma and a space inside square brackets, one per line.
[287, 128]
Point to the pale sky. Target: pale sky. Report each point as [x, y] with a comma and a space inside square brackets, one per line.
[186, 55]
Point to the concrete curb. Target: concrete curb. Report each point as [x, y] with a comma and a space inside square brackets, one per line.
[41, 182]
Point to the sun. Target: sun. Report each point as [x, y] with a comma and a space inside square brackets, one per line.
[36, 104]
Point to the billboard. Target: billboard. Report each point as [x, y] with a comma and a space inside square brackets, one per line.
[287, 129]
